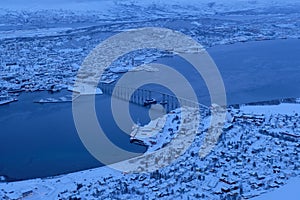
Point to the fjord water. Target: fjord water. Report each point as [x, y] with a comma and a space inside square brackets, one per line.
[259, 71]
[41, 140]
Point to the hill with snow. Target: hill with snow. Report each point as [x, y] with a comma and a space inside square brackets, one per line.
[114, 6]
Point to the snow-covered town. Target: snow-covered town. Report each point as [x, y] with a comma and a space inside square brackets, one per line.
[42, 48]
[50, 58]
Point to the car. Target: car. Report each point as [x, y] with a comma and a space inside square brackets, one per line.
[163, 103]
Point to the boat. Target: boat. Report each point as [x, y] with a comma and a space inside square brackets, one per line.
[64, 99]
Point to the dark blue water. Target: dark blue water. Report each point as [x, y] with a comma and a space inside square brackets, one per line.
[259, 71]
[41, 140]
[252, 72]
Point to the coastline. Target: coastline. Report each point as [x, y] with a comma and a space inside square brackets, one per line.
[57, 184]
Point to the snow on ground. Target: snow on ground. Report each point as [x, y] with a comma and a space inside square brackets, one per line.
[103, 5]
[251, 156]
[43, 32]
[43, 43]
[75, 11]
[161, 131]
[49, 188]
[283, 109]
[289, 191]
[74, 5]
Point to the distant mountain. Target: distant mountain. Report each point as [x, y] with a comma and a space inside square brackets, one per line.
[101, 5]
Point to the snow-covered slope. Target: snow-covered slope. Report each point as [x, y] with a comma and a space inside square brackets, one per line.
[76, 5]
[101, 5]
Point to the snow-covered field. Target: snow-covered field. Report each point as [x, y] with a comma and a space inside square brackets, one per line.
[42, 44]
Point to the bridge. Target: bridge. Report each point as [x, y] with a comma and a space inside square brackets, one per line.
[145, 97]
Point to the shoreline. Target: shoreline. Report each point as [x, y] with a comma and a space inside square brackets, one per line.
[235, 106]
[55, 185]
[214, 48]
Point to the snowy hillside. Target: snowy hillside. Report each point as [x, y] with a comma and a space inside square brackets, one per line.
[137, 9]
[101, 5]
